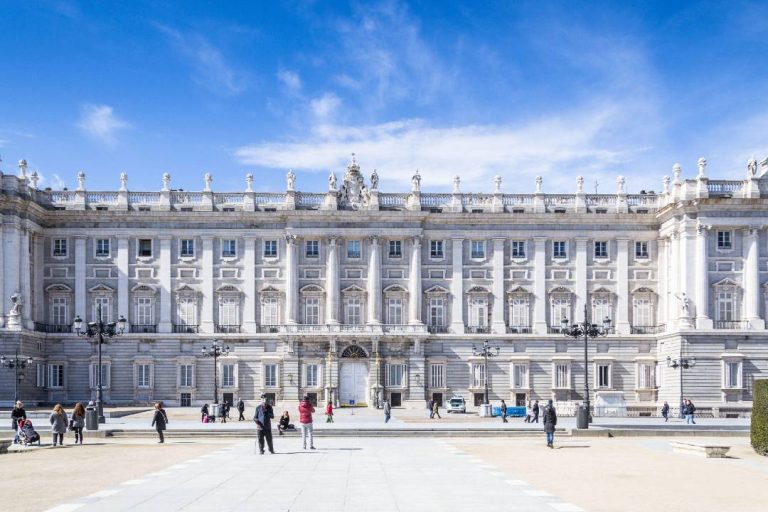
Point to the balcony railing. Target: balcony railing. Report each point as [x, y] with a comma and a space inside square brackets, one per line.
[403, 328]
[518, 329]
[437, 329]
[477, 329]
[647, 329]
[228, 329]
[730, 325]
[53, 328]
[184, 329]
[554, 329]
[268, 328]
[143, 328]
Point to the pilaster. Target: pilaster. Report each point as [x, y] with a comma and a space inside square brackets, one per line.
[540, 285]
[332, 282]
[291, 279]
[123, 304]
[414, 278]
[26, 277]
[622, 286]
[165, 284]
[249, 284]
[374, 281]
[751, 279]
[703, 320]
[581, 274]
[457, 286]
[80, 269]
[498, 324]
[206, 275]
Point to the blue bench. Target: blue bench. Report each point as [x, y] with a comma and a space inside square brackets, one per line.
[518, 412]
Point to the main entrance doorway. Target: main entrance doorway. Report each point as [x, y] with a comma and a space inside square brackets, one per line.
[353, 382]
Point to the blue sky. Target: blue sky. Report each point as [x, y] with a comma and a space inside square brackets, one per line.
[560, 89]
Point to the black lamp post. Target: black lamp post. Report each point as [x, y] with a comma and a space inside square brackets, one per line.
[681, 364]
[486, 351]
[587, 330]
[215, 351]
[99, 329]
[17, 364]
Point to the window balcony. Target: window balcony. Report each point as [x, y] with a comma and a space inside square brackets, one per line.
[437, 329]
[730, 325]
[477, 329]
[648, 329]
[184, 329]
[143, 328]
[53, 328]
[554, 329]
[268, 328]
[518, 329]
[227, 329]
[403, 329]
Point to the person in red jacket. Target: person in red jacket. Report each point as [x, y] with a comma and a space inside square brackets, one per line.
[305, 420]
[329, 412]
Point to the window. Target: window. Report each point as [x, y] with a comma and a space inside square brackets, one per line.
[270, 375]
[106, 310]
[396, 375]
[94, 375]
[641, 250]
[519, 312]
[352, 311]
[270, 313]
[394, 274]
[643, 314]
[186, 375]
[478, 312]
[562, 376]
[437, 376]
[645, 377]
[520, 376]
[601, 249]
[561, 308]
[436, 250]
[229, 311]
[185, 399]
[145, 311]
[518, 249]
[187, 311]
[724, 240]
[270, 248]
[145, 248]
[395, 311]
[312, 311]
[228, 248]
[228, 375]
[354, 250]
[601, 309]
[55, 375]
[310, 376]
[437, 312]
[59, 315]
[60, 248]
[732, 377]
[312, 248]
[40, 374]
[436, 274]
[354, 274]
[187, 248]
[102, 247]
[725, 302]
[478, 375]
[603, 376]
[477, 250]
[143, 375]
[395, 249]
[559, 249]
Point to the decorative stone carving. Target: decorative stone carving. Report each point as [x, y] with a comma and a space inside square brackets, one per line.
[22, 169]
[374, 180]
[123, 181]
[249, 182]
[332, 182]
[166, 182]
[291, 180]
[497, 182]
[539, 181]
[34, 179]
[579, 184]
[752, 167]
[16, 304]
[354, 194]
[456, 183]
[702, 163]
[685, 305]
[620, 182]
[208, 181]
[81, 180]
[416, 182]
[676, 171]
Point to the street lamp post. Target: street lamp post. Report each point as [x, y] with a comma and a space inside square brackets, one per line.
[99, 329]
[486, 351]
[17, 363]
[681, 364]
[215, 351]
[586, 330]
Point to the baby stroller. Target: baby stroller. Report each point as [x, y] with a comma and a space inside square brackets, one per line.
[27, 433]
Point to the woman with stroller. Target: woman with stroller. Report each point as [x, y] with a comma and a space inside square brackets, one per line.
[204, 413]
[159, 421]
[58, 421]
[18, 414]
[285, 423]
[78, 422]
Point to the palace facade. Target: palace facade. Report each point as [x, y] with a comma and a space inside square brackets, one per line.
[356, 295]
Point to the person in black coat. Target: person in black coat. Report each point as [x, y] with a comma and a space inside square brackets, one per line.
[241, 409]
[160, 420]
[18, 413]
[263, 418]
[285, 423]
[550, 421]
[204, 413]
[665, 411]
[535, 412]
[504, 411]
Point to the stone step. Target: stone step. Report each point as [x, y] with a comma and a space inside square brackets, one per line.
[367, 432]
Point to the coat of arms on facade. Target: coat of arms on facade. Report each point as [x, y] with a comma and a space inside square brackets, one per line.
[354, 194]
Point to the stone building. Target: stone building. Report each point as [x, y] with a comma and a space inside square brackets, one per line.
[358, 295]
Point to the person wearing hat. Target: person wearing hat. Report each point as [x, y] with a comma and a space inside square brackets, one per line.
[550, 420]
[263, 418]
[305, 420]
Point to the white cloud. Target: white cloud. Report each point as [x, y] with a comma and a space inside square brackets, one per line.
[3, 142]
[290, 79]
[101, 123]
[325, 106]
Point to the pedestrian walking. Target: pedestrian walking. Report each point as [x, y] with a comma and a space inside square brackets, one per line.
[204, 413]
[665, 411]
[159, 421]
[222, 411]
[430, 408]
[18, 413]
[388, 411]
[77, 423]
[58, 421]
[227, 407]
[240, 409]
[528, 412]
[305, 420]
[263, 418]
[550, 420]
[535, 412]
[689, 410]
[436, 410]
[329, 412]
[284, 423]
[504, 411]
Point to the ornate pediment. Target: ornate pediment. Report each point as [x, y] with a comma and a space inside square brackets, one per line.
[354, 195]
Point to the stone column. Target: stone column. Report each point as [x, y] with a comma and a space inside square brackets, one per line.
[38, 279]
[703, 320]
[26, 285]
[249, 284]
[661, 315]
[291, 279]
[332, 282]
[457, 287]
[81, 308]
[622, 287]
[374, 282]
[540, 286]
[207, 324]
[123, 304]
[498, 324]
[166, 295]
[414, 277]
[581, 276]
[751, 279]
[687, 251]
[673, 279]
[11, 274]
[3, 273]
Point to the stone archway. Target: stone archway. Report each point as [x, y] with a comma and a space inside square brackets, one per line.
[353, 376]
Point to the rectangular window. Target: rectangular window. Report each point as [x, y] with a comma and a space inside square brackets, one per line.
[228, 248]
[437, 376]
[187, 311]
[478, 375]
[643, 313]
[353, 310]
[436, 250]
[270, 314]
[187, 248]
[102, 247]
[725, 306]
[601, 249]
[143, 372]
[520, 376]
[603, 376]
[436, 274]
[477, 249]
[94, 374]
[229, 311]
[270, 375]
[562, 376]
[55, 375]
[641, 250]
[228, 375]
[186, 375]
[724, 240]
[145, 311]
[106, 310]
[312, 311]
[310, 375]
[270, 248]
[437, 312]
[354, 250]
[40, 374]
[645, 377]
[601, 309]
[732, 374]
[59, 314]
[395, 375]
[561, 308]
[559, 250]
[518, 249]
[312, 249]
[395, 311]
[519, 313]
[145, 248]
[478, 312]
[60, 247]
[395, 249]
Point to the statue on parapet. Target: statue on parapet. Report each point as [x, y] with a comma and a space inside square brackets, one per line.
[291, 178]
